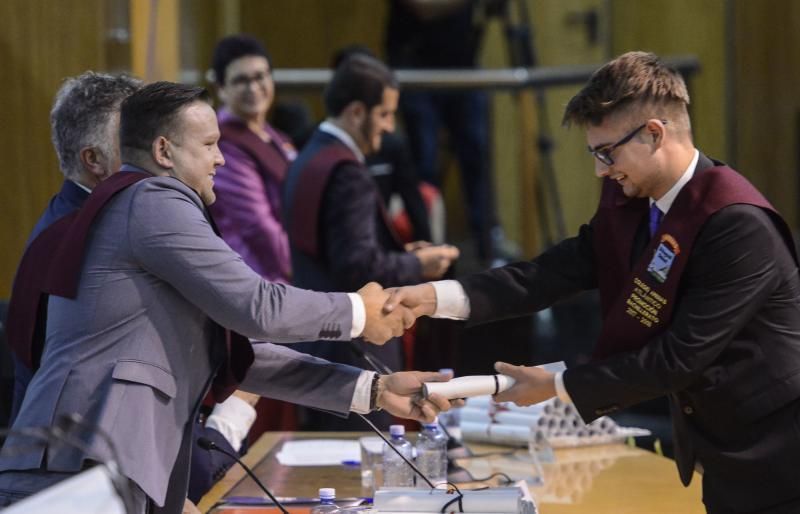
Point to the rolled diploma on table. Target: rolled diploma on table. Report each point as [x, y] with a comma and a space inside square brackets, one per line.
[466, 387]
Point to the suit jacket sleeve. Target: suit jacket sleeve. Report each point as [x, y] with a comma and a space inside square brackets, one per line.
[738, 262]
[171, 238]
[526, 287]
[352, 247]
[282, 373]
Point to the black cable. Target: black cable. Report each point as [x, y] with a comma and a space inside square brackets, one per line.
[376, 364]
[208, 445]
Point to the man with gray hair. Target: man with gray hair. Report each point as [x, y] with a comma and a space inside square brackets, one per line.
[84, 125]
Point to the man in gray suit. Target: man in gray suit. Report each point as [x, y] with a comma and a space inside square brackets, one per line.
[135, 351]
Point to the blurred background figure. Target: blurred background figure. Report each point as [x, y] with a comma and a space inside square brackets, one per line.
[393, 171]
[338, 227]
[248, 186]
[441, 35]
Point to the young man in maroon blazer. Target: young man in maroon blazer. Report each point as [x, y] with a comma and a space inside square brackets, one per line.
[699, 291]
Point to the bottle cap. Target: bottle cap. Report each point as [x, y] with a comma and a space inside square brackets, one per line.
[432, 424]
[327, 493]
[397, 430]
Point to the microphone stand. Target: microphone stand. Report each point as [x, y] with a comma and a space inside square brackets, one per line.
[60, 433]
[209, 445]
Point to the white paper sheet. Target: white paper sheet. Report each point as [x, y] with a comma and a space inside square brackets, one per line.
[318, 452]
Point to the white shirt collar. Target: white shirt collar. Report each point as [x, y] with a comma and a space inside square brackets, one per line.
[81, 186]
[665, 202]
[344, 137]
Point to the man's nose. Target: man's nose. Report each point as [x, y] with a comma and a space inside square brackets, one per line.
[601, 169]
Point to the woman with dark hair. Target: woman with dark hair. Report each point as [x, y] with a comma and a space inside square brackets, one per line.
[248, 186]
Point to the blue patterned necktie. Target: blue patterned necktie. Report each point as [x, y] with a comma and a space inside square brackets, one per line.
[655, 218]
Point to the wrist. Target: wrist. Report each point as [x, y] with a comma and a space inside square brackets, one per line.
[429, 305]
[376, 392]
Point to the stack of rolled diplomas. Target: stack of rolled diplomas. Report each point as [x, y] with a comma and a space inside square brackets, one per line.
[553, 421]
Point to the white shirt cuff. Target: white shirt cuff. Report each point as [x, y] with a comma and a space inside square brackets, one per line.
[359, 315]
[561, 390]
[360, 401]
[233, 419]
[451, 300]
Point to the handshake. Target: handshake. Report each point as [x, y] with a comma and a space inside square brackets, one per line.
[390, 312]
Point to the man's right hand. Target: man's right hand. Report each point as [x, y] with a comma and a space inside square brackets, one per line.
[419, 299]
[382, 325]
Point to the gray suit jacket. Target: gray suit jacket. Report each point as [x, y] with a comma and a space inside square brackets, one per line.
[133, 353]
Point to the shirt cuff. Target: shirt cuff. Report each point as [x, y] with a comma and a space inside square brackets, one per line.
[360, 401]
[451, 300]
[359, 315]
[233, 419]
[561, 390]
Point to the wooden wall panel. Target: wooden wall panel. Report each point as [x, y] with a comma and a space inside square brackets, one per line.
[681, 27]
[558, 40]
[306, 33]
[766, 100]
[41, 43]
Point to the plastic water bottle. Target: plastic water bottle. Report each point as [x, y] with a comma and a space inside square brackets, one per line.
[396, 473]
[451, 420]
[432, 454]
[327, 497]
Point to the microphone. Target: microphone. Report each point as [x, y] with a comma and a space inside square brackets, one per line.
[209, 445]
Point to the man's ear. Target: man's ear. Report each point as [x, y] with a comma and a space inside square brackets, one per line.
[656, 130]
[162, 152]
[356, 111]
[92, 163]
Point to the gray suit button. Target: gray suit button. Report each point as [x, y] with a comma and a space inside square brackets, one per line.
[687, 409]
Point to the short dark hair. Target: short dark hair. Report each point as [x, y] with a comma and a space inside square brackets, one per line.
[632, 78]
[349, 51]
[81, 113]
[152, 111]
[358, 78]
[230, 48]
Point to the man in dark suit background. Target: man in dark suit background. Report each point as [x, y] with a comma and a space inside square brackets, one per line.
[84, 123]
[699, 289]
[339, 232]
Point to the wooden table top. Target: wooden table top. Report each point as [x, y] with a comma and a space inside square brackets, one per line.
[605, 479]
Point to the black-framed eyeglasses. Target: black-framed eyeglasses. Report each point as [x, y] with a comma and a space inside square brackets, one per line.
[244, 81]
[603, 154]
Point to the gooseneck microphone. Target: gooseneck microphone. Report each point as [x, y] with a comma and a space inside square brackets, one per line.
[209, 445]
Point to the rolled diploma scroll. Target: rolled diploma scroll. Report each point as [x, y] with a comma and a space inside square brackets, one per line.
[466, 387]
[513, 435]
